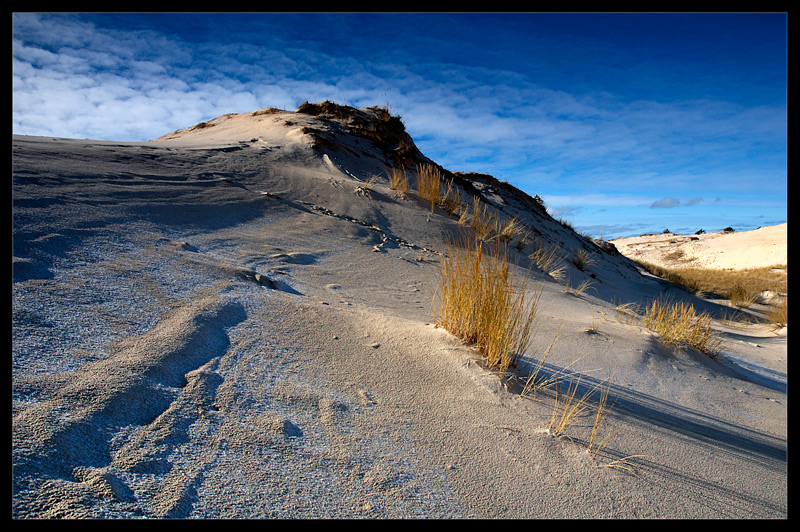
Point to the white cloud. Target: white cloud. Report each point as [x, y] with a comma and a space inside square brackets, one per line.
[665, 203]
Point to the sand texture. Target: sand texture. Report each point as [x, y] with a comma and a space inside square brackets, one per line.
[235, 321]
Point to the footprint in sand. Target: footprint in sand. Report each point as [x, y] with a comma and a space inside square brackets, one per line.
[294, 258]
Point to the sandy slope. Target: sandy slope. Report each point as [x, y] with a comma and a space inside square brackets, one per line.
[237, 326]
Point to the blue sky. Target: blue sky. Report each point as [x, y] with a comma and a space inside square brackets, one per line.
[622, 123]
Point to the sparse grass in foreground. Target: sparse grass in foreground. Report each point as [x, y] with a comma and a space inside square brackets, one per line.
[679, 324]
[572, 404]
[480, 302]
[599, 419]
[626, 463]
[571, 407]
[537, 379]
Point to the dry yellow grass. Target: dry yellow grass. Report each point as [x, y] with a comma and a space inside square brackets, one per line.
[679, 324]
[601, 414]
[581, 259]
[778, 315]
[570, 408]
[508, 230]
[578, 290]
[450, 198]
[537, 379]
[483, 222]
[398, 180]
[740, 286]
[429, 182]
[480, 302]
[549, 261]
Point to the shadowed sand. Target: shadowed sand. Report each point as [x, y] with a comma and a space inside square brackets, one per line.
[234, 321]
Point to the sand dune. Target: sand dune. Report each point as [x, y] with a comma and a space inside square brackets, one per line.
[234, 321]
[759, 248]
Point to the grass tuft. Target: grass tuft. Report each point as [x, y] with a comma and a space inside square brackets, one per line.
[480, 303]
[582, 259]
[599, 419]
[778, 315]
[429, 182]
[549, 261]
[482, 221]
[680, 324]
[450, 198]
[398, 180]
[508, 230]
[570, 408]
[578, 290]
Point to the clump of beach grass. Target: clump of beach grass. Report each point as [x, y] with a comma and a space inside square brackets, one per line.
[679, 324]
[581, 259]
[485, 223]
[429, 182]
[482, 221]
[742, 295]
[482, 303]
[778, 315]
[508, 229]
[549, 261]
[450, 198]
[398, 180]
[578, 290]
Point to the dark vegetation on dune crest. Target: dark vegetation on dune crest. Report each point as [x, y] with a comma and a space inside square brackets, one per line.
[388, 135]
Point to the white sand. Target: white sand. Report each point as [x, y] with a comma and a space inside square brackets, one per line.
[225, 323]
[759, 248]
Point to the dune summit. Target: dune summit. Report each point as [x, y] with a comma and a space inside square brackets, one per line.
[235, 321]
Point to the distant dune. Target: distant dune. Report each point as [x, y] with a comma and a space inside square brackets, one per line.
[762, 247]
